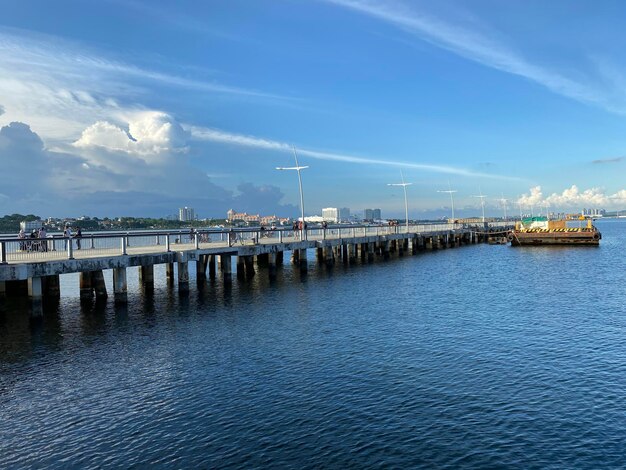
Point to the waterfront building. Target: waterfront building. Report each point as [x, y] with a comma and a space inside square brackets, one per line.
[336, 214]
[372, 214]
[186, 214]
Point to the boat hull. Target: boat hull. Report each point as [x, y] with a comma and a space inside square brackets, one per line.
[518, 238]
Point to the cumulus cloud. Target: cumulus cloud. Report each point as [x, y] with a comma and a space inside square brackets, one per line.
[573, 198]
[113, 173]
[1, 110]
[149, 132]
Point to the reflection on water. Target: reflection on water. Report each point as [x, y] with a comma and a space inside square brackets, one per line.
[484, 356]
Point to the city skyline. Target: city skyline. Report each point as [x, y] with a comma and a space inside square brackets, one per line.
[96, 117]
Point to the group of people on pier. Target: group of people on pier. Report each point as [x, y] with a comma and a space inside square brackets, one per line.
[39, 240]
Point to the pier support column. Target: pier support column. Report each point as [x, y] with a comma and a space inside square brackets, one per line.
[280, 257]
[370, 252]
[86, 289]
[295, 256]
[146, 277]
[225, 266]
[248, 262]
[52, 287]
[344, 253]
[400, 244]
[35, 288]
[272, 265]
[169, 273]
[35, 293]
[212, 267]
[201, 263]
[97, 282]
[183, 276]
[364, 249]
[319, 255]
[241, 270]
[329, 256]
[352, 253]
[302, 261]
[3, 289]
[262, 260]
[120, 286]
[386, 249]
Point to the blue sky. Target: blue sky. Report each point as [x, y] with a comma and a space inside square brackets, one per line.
[136, 108]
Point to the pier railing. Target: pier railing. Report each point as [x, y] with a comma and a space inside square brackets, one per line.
[16, 250]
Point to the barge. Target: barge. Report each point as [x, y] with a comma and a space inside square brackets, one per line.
[542, 231]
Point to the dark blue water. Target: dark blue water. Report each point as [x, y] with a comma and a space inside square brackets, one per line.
[478, 357]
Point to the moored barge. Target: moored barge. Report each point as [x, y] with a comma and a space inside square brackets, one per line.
[541, 231]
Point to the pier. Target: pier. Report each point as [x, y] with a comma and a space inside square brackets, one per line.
[31, 267]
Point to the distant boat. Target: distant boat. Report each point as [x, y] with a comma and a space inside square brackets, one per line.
[542, 231]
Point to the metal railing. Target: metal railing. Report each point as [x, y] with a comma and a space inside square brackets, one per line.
[16, 250]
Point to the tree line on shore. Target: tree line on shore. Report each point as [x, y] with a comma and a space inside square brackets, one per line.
[11, 223]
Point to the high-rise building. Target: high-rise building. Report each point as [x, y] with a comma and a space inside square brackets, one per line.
[186, 214]
[335, 215]
[372, 214]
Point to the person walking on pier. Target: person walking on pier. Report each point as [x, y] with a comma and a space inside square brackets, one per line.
[78, 236]
[67, 233]
[43, 237]
[22, 236]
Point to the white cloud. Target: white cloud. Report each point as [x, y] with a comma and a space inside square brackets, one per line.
[60, 88]
[215, 135]
[482, 49]
[152, 136]
[573, 198]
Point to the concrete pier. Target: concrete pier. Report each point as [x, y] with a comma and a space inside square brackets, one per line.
[36, 275]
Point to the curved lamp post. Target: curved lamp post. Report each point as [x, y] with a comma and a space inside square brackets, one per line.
[297, 168]
[406, 203]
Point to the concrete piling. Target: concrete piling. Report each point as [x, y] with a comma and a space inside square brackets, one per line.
[169, 273]
[120, 286]
[97, 282]
[86, 289]
[146, 276]
[212, 266]
[225, 266]
[241, 270]
[302, 261]
[183, 276]
[272, 265]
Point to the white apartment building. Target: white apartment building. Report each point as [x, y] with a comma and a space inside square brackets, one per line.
[336, 214]
[186, 214]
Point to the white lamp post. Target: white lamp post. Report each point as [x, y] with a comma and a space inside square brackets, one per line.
[406, 203]
[504, 201]
[297, 168]
[451, 192]
[482, 203]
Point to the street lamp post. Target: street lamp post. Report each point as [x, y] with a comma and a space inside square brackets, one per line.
[504, 201]
[451, 192]
[297, 168]
[406, 203]
[482, 203]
